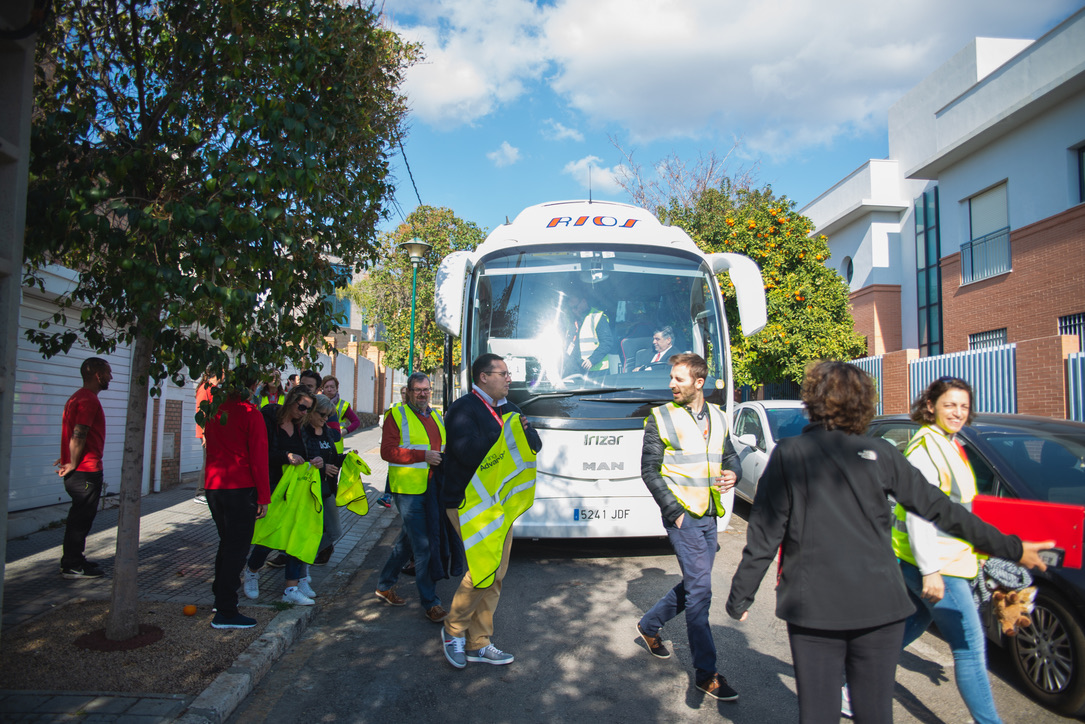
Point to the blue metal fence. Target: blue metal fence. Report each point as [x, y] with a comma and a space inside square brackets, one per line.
[1075, 384]
[873, 367]
[991, 371]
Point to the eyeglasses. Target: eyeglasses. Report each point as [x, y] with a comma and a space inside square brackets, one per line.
[303, 408]
[948, 378]
[506, 373]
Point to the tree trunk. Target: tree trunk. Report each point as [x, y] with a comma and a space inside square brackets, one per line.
[123, 620]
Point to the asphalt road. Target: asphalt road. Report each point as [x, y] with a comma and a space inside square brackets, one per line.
[568, 613]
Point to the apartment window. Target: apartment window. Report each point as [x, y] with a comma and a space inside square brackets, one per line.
[847, 269]
[987, 253]
[991, 338]
[1074, 324]
[928, 255]
[1081, 174]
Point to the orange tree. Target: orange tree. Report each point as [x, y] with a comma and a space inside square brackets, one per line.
[385, 292]
[808, 312]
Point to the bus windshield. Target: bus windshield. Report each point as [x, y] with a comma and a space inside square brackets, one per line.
[587, 333]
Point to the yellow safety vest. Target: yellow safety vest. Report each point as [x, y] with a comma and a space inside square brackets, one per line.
[265, 400]
[956, 479]
[690, 462]
[294, 522]
[351, 491]
[412, 479]
[501, 490]
[589, 339]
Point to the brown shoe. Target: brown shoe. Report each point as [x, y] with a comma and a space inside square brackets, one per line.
[391, 597]
[655, 644]
[717, 687]
[436, 614]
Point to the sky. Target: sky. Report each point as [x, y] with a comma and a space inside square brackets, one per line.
[515, 100]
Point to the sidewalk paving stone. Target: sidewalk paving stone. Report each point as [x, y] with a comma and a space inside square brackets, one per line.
[178, 542]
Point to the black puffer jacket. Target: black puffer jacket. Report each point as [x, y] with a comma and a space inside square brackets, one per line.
[823, 496]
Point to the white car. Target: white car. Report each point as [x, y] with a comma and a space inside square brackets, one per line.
[758, 425]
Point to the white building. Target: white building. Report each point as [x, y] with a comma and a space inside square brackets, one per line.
[971, 232]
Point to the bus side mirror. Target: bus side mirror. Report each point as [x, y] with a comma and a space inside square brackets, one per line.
[749, 289]
[448, 290]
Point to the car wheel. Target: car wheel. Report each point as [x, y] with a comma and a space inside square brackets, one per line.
[1049, 655]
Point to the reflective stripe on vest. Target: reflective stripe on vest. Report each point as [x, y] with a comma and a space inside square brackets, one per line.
[955, 479]
[691, 463]
[500, 491]
[412, 478]
[589, 339]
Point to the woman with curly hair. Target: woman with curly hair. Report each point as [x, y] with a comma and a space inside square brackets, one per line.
[823, 497]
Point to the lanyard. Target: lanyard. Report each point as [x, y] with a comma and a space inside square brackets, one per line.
[489, 407]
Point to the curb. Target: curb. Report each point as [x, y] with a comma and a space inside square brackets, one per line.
[219, 700]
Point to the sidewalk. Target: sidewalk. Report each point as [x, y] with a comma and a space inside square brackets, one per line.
[177, 548]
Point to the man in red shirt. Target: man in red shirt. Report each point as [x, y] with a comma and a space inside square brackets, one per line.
[82, 443]
[238, 492]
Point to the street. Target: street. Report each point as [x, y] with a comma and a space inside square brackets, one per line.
[568, 613]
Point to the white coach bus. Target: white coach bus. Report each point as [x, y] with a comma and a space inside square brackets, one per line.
[514, 296]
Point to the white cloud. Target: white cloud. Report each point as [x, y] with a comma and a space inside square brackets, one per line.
[479, 55]
[506, 155]
[554, 131]
[590, 175]
[781, 74]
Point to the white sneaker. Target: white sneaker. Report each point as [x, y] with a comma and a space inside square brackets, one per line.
[251, 583]
[305, 587]
[296, 597]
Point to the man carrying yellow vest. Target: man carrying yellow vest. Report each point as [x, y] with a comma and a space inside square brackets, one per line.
[687, 462]
[413, 443]
[488, 437]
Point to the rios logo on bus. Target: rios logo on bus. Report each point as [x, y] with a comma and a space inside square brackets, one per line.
[596, 220]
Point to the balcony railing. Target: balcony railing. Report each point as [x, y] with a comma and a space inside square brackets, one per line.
[986, 256]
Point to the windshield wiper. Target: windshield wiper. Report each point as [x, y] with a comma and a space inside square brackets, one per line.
[570, 393]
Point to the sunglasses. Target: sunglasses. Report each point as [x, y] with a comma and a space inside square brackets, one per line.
[303, 408]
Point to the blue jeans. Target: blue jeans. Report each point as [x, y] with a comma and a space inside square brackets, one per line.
[959, 622]
[333, 528]
[293, 571]
[695, 546]
[413, 537]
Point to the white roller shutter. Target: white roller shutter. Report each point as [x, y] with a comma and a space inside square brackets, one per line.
[42, 386]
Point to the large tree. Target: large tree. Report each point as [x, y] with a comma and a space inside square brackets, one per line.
[385, 292]
[808, 308]
[199, 163]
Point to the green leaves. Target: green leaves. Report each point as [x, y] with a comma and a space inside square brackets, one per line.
[385, 293]
[808, 310]
[198, 183]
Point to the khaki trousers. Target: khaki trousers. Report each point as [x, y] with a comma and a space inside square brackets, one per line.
[472, 612]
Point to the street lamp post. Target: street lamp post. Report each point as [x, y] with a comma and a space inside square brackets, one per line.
[416, 249]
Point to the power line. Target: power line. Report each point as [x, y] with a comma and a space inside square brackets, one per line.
[411, 175]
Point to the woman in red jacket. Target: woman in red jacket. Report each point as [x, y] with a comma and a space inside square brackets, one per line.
[238, 492]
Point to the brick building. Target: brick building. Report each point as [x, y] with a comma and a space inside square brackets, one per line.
[971, 233]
